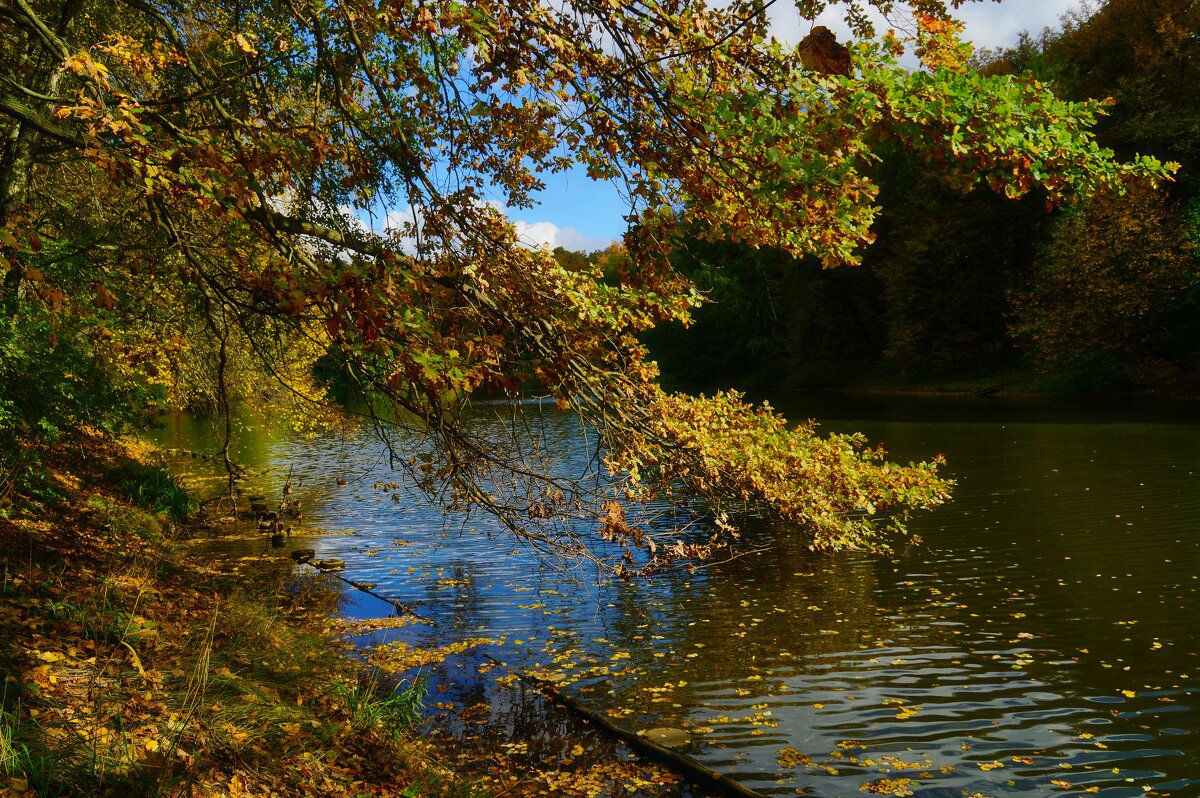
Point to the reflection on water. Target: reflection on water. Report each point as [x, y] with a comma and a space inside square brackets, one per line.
[1042, 639]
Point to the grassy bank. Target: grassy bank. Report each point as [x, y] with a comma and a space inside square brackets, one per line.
[132, 668]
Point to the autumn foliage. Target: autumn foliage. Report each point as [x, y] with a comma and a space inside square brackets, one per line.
[1102, 298]
[221, 196]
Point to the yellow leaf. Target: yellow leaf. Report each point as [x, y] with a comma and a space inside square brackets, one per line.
[244, 44]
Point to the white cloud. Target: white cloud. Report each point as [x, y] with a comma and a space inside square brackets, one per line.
[989, 25]
[997, 24]
[550, 235]
[788, 26]
[404, 225]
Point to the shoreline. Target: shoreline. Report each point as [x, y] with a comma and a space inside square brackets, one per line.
[140, 659]
[134, 667]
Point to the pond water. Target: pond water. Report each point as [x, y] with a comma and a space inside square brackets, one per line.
[1042, 640]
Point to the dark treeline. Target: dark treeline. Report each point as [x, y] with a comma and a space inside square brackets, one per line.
[978, 290]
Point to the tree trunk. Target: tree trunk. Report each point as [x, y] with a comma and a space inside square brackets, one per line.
[19, 156]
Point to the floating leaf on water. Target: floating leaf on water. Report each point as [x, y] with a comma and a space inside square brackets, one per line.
[790, 757]
[889, 786]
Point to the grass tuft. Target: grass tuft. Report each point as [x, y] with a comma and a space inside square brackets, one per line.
[157, 489]
[371, 706]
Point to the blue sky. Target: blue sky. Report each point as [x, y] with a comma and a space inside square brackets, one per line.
[583, 215]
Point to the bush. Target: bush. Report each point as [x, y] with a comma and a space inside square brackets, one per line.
[50, 385]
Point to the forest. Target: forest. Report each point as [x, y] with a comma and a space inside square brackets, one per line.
[969, 291]
[317, 479]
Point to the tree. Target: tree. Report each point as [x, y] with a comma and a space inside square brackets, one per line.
[241, 144]
[1112, 300]
[946, 261]
[769, 320]
[1142, 57]
[1145, 55]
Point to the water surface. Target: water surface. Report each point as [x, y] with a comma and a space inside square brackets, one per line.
[1042, 639]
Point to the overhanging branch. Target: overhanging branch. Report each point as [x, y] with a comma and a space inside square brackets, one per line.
[16, 108]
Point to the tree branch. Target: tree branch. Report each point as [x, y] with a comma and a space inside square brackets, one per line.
[26, 114]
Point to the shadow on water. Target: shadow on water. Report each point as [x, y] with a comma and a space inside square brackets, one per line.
[1042, 638]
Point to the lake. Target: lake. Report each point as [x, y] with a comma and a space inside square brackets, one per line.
[1043, 639]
